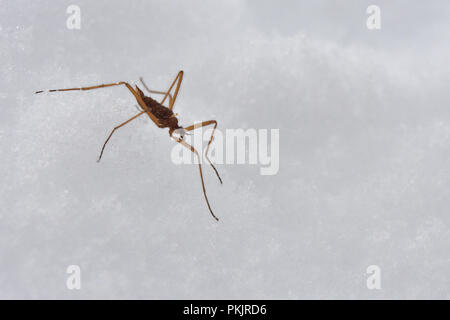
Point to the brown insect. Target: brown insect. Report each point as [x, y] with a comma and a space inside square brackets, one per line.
[162, 116]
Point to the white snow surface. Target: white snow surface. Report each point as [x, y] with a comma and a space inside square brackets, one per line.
[364, 179]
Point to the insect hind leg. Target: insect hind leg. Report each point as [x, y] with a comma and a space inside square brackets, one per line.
[204, 124]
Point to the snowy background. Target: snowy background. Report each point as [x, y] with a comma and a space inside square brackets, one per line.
[364, 177]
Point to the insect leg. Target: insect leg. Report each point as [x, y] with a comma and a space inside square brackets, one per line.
[172, 99]
[204, 124]
[177, 80]
[87, 88]
[121, 125]
[155, 91]
[200, 168]
[135, 94]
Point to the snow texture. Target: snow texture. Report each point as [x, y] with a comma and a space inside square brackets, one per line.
[364, 121]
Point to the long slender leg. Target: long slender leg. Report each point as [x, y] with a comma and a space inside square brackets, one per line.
[136, 95]
[172, 99]
[204, 124]
[200, 168]
[179, 77]
[88, 88]
[121, 125]
[155, 91]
